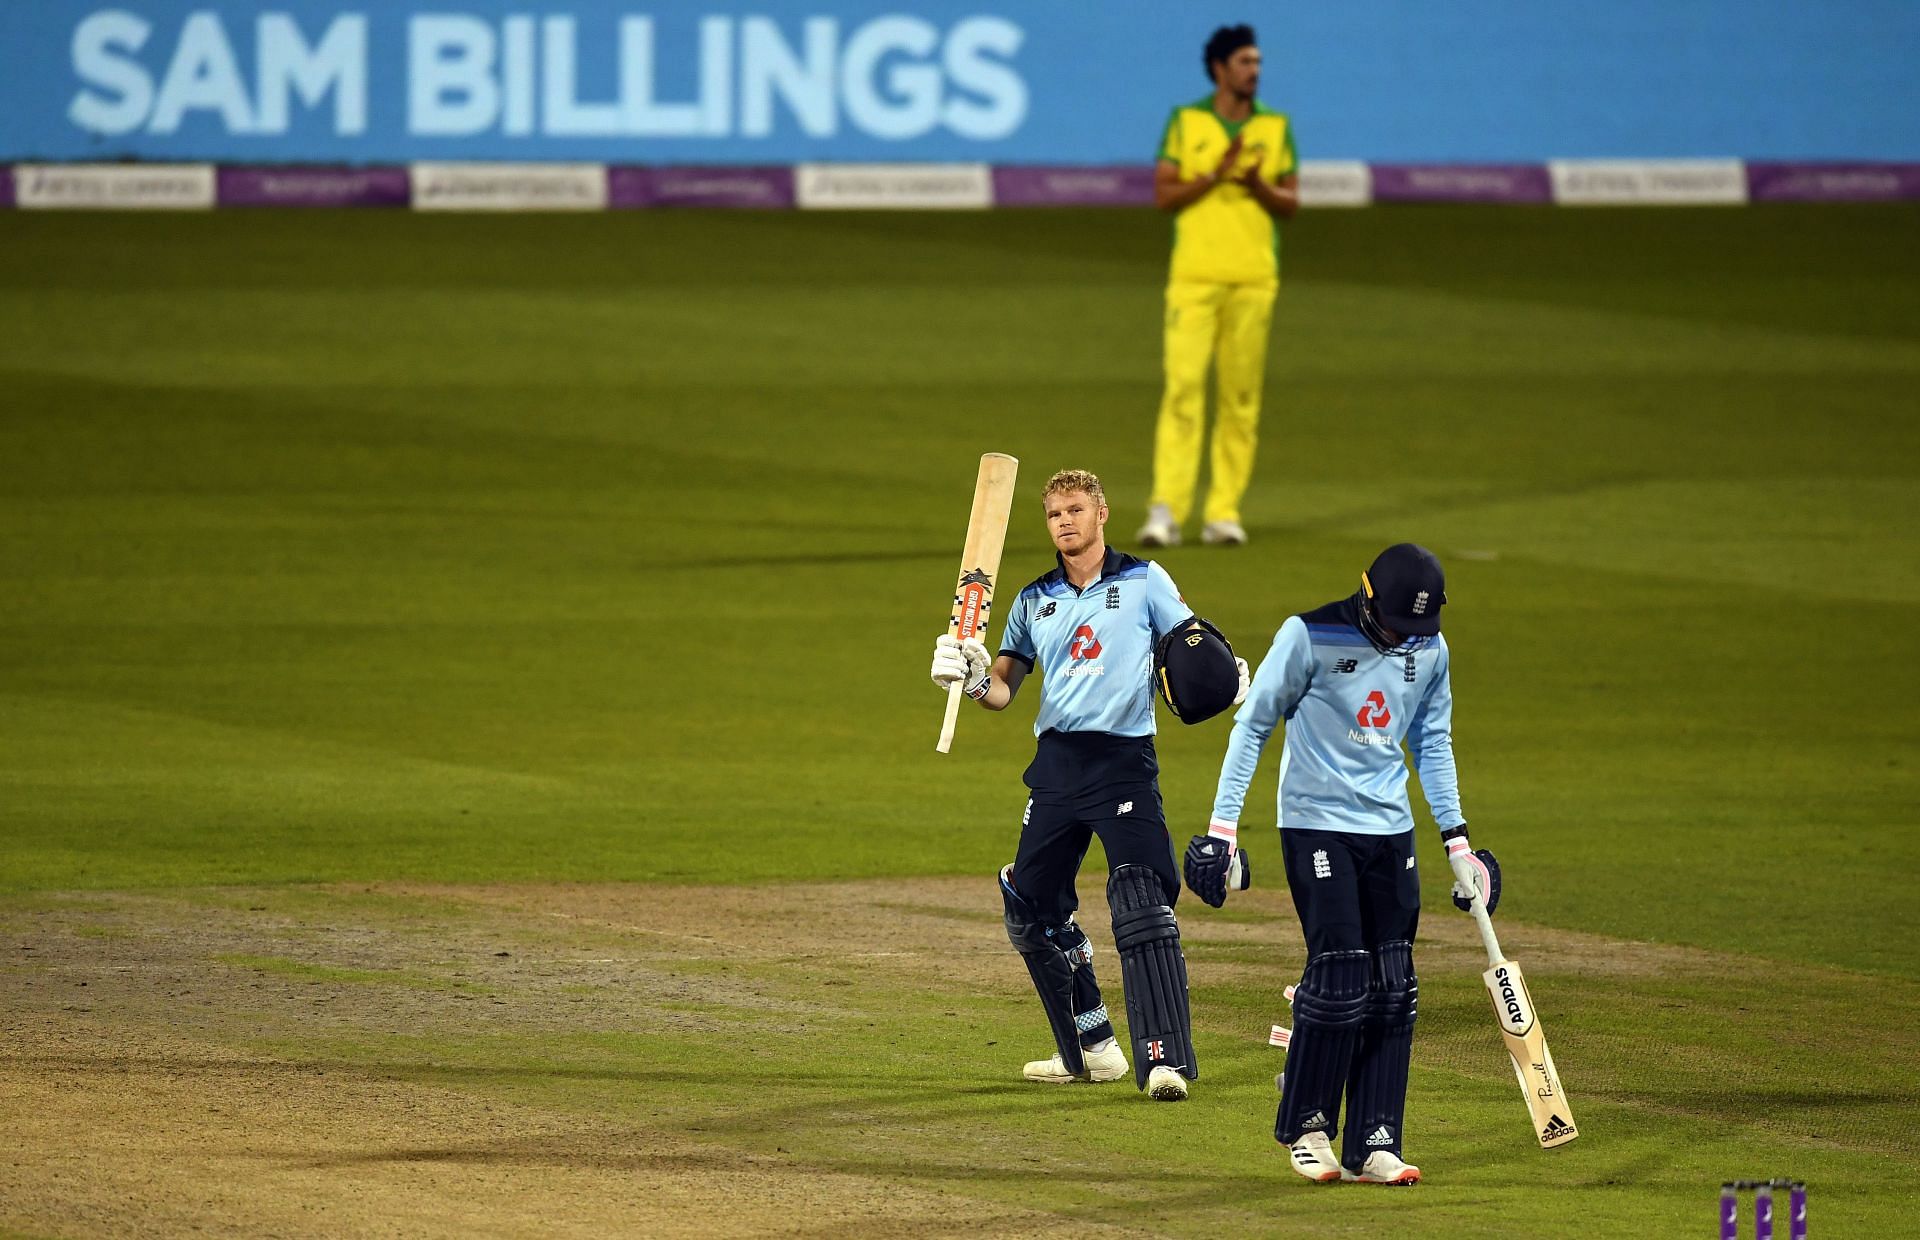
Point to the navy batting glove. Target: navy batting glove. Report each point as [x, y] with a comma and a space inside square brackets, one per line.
[1213, 867]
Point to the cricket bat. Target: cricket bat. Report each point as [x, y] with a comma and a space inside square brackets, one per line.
[979, 565]
[1526, 1041]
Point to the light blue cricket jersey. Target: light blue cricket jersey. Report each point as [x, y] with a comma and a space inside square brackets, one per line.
[1348, 708]
[1095, 645]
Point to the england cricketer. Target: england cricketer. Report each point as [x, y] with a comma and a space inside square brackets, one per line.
[1091, 624]
[1227, 167]
[1353, 680]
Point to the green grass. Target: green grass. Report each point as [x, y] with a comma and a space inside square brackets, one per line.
[368, 546]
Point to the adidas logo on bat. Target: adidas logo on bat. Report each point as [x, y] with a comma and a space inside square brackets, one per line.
[1556, 1126]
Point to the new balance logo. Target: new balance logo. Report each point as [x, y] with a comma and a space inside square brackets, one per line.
[1556, 1126]
[1046, 609]
[1322, 868]
[1344, 666]
[1381, 1136]
[1409, 863]
[1126, 807]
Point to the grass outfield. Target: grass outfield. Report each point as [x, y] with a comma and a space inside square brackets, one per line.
[386, 592]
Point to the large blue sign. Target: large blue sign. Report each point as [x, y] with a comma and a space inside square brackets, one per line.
[706, 82]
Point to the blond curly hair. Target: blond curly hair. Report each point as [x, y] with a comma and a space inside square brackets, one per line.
[1075, 480]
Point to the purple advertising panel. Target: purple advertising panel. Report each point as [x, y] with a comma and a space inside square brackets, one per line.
[1794, 182]
[745, 186]
[1121, 186]
[1510, 183]
[6, 185]
[312, 187]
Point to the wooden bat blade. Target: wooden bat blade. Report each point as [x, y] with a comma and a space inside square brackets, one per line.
[979, 565]
[1532, 1061]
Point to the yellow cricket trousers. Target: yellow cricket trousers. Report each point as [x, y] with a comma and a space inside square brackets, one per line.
[1225, 326]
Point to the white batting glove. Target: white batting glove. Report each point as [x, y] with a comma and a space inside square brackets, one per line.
[1246, 680]
[961, 662]
[1469, 872]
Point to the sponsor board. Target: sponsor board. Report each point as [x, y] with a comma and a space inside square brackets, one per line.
[114, 187]
[764, 188]
[1648, 182]
[1515, 183]
[1123, 186]
[313, 187]
[509, 187]
[1854, 182]
[1335, 183]
[898, 186]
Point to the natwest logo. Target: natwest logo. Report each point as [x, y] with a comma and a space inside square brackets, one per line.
[1374, 714]
[1084, 644]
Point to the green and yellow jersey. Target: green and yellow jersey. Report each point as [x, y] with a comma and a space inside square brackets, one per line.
[1227, 237]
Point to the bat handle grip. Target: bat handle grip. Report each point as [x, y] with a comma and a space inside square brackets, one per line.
[946, 724]
[1487, 937]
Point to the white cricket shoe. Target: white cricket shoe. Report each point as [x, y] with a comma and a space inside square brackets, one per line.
[1224, 534]
[1313, 1157]
[1160, 530]
[1105, 1062]
[1382, 1167]
[1166, 1085]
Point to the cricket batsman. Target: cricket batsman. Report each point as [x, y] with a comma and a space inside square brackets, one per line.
[1092, 624]
[1353, 680]
[1227, 169]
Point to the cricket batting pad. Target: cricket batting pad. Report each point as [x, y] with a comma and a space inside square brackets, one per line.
[1154, 972]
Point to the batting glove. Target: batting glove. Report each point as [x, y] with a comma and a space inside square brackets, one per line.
[1475, 873]
[1214, 864]
[961, 662]
[1246, 680]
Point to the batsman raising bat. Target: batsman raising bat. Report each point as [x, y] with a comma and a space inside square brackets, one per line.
[1353, 680]
[1104, 627]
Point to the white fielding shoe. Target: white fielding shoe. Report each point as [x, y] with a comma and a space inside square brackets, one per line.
[1382, 1167]
[1224, 534]
[1166, 1085]
[1105, 1062]
[1160, 530]
[1313, 1157]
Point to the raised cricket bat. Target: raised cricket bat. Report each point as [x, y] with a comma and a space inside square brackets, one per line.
[979, 565]
[1526, 1042]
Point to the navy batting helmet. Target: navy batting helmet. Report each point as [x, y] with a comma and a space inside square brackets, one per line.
[1407, 589]
[1194, 670]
